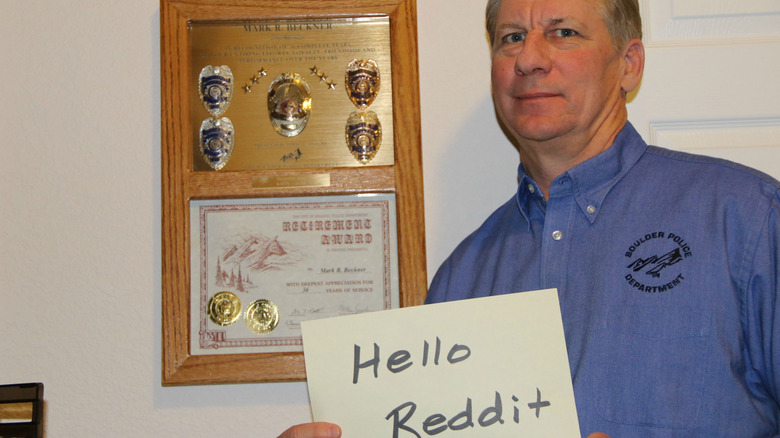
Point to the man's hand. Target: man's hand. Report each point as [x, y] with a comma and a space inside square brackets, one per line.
[312, 430]
[328, 430]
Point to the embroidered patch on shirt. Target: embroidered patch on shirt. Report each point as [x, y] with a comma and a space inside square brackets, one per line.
[656, 262]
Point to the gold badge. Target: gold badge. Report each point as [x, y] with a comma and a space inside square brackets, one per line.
[215, 88]
[364, 135]
[224, 308]
[262, 316]
[289, 104]
[362, 82]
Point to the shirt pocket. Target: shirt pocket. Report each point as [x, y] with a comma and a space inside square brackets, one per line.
[652, 367]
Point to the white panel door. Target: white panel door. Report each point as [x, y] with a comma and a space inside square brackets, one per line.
[712, 79]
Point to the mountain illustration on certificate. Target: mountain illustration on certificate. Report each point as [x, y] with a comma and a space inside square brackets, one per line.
[244, 258]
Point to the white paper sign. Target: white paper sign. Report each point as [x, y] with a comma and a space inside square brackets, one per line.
[493, 366]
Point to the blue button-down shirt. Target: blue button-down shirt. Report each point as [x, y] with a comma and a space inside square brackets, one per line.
[666, 266]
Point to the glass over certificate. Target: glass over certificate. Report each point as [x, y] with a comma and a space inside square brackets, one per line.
[262, 266]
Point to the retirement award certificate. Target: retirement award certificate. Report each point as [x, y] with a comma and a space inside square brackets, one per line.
[262, 266]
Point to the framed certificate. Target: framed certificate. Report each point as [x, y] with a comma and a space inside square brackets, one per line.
[298, 258]
[291, 177]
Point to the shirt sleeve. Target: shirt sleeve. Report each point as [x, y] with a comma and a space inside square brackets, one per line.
[437, 292]
[761, 312]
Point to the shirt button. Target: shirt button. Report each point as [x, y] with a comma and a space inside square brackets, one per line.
[531, 189]
[591, 209]
[557, 235]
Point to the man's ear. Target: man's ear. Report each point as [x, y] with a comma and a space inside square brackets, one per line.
[634, 58]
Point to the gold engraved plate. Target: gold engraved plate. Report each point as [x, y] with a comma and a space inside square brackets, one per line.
[362, 82]
[215, 88]
[319, 50]
[216, 141]
[297, 180]
[289, 104]
[364, 135]
[224, 308]
[262, 316]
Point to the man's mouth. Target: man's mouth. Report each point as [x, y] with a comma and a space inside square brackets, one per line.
[536, 95]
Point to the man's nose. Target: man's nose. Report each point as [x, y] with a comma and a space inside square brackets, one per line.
[534, 57]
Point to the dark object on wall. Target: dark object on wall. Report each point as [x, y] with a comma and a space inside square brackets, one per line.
[21, 410]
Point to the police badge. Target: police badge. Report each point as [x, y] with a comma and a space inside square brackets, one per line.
[215, 88]
[216, 141]
[362, 82]
[289, 104]
[364, 135]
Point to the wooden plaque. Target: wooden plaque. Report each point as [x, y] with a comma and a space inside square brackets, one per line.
[275, 52]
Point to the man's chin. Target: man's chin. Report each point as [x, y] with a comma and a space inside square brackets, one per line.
[537, 131]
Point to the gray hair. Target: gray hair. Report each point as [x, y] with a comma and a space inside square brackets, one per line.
[621, 17]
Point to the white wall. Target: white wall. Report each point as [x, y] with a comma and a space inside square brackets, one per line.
[80, 221]
[80, 167]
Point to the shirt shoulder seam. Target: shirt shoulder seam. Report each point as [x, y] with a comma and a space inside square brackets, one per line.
[708, 160]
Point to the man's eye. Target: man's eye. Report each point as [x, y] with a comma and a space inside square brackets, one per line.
[514, 38]
[565, 33]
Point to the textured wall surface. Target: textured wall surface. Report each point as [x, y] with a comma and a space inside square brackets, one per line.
[80, 217]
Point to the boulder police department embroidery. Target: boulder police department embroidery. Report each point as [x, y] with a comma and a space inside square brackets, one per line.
[655, 262]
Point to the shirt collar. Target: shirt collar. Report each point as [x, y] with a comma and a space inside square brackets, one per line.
[590, 180]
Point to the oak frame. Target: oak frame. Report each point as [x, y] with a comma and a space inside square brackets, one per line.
[180, 183]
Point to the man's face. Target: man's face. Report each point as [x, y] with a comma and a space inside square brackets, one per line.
[555, 72]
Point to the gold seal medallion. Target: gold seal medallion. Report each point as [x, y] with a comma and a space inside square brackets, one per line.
[224, 308]
[262, 316]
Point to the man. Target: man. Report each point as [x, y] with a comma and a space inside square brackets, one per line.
[665, 263]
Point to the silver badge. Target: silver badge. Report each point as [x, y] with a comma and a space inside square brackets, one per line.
[289, 104]
[364, 135]
[216, 141]
[362, 82]
[215, 88]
